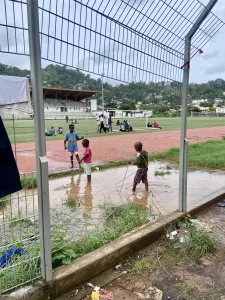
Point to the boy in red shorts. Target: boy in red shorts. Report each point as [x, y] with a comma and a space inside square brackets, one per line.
[142, 165]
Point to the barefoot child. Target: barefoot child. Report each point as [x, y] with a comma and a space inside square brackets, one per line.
[72, 137]
[142, 165]
[87, 159]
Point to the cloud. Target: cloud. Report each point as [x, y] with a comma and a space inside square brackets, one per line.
[207, 66]
[220, 68]
[210, 55]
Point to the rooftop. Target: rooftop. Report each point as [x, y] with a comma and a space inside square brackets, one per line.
[67, 94]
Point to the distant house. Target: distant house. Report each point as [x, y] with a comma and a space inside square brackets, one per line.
[198, 101]
[218, 100]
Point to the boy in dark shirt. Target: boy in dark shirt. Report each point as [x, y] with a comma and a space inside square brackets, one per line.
[142, 165]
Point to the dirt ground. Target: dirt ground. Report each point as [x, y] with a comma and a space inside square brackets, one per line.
[165, 267]
[110, 148]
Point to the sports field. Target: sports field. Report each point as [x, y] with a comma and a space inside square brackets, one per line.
[24, 131]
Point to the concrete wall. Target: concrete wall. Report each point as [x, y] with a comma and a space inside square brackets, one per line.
[19, 110]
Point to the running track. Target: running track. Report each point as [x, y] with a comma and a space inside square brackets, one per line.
[110, 148]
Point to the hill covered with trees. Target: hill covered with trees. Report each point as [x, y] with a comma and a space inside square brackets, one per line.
[125, 95]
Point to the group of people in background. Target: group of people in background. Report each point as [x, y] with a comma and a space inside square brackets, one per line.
[154, 125]
[52, 131]
[102, 126]
[72, 121]
[125, 126]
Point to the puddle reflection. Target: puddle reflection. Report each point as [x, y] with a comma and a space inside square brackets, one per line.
[109, 187]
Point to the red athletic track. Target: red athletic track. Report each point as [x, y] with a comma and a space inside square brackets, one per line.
[110, 148]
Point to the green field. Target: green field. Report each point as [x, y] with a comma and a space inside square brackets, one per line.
[25, 129]
[205, 155]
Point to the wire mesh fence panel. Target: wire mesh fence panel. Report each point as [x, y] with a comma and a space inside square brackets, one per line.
[19, 245]
[124, 42]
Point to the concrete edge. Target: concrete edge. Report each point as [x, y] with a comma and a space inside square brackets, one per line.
[66, 278]
[216, 198]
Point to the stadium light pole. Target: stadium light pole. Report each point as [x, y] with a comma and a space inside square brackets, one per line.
[103, 109]
[40, 142]
[185, 86]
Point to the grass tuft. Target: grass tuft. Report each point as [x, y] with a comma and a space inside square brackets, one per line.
[4, 201]
[71, 202]
[161, 173]
[200, 243]
[29, 182]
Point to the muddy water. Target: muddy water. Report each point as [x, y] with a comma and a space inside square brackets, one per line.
[114, 187]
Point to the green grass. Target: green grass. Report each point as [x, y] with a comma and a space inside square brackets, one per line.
[88, 128]
[65, 251]
[28, 182]
[205, 155]
[71, 202]
[4, 201]
[131, 216]
[161, 173]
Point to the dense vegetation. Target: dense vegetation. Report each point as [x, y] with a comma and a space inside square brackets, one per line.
[159, 94]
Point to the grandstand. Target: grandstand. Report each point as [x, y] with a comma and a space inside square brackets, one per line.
[16, 100]
[59, 103]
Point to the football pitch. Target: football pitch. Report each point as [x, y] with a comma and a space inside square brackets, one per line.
[24, 129]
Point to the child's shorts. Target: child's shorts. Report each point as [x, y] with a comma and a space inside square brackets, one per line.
[87, 169]
[72, 153]
[141, 175]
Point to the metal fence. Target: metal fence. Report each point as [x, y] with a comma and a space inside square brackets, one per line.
[127, 41]
[19, 221]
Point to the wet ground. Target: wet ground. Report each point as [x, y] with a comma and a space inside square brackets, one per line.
[78, 208]
[114, 186]
[177, 276]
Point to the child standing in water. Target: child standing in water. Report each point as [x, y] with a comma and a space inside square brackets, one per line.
[72, 137]
[87, 159]
[142, 165]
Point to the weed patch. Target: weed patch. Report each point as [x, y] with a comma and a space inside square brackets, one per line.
[71, 202]
[29, 182]
[4, 201]
[161, 173]
[131, 216]
[200, 243]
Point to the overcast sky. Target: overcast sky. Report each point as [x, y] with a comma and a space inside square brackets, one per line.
[207, 66]
[211, 64]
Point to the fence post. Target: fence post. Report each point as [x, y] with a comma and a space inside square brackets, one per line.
[40, 143]
[183, 133]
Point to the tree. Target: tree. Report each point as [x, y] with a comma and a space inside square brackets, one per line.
[156, 94]
[128, 106]
[206, 104]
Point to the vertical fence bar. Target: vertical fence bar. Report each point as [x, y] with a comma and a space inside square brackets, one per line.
[103, 108]
[187, 51]
[39, 130]
[183, 131]
[184, 206]
[14, 136]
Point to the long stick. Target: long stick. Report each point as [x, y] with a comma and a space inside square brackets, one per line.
[124, 179]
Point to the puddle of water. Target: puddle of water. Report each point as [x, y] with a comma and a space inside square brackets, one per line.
[112, 187]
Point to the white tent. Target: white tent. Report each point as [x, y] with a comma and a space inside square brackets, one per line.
[15, 97]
